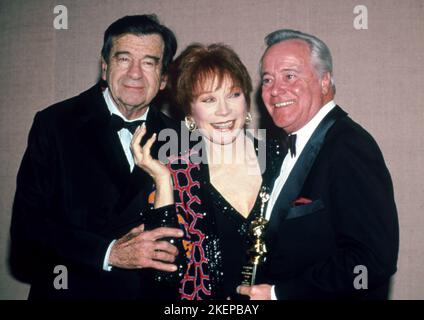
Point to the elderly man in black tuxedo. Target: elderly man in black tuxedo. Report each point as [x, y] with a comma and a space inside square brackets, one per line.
[333, 228]
[80, 202]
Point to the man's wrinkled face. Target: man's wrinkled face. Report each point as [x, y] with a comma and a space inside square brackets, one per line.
[291, 89]
[133, 72]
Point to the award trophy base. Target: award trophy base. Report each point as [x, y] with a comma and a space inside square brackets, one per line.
[248, 275]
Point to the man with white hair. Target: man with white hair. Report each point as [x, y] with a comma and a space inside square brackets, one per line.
[333, 228]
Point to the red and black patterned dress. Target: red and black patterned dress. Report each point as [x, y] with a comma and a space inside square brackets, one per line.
[216, 238]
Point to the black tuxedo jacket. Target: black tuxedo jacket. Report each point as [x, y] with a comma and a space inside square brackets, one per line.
[75, 193]
[318, 250]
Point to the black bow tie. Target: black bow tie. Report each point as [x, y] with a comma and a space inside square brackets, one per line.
[291, 144]
[117, 123]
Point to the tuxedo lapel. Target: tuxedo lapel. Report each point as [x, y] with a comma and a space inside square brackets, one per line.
[300, 171]
[102, 142]
[103, 145]
[111, 154]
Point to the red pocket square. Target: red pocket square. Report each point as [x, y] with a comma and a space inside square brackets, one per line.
[301, 201]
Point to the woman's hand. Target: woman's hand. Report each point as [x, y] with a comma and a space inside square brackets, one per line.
[162, 177]
[143, 158]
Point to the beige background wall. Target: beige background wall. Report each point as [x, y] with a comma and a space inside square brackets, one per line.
[378, 71]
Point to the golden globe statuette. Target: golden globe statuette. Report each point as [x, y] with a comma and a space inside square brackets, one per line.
[257, 251]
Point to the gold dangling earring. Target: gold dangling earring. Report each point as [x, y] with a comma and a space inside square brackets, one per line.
[248, 119]
[190, 124]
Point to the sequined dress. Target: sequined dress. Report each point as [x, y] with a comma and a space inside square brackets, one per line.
[216, 238]
[232, 230]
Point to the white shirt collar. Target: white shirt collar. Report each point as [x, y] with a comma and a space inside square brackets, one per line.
[303, 134]
[113, 109]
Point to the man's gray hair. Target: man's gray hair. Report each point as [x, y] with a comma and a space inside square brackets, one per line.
[320, 53]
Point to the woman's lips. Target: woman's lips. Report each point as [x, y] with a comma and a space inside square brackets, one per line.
[223, 126]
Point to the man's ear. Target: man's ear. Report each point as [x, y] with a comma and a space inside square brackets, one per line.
[104, 69]
[163, 81]
[325, 83]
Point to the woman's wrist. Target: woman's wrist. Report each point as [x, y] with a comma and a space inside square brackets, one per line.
[164, 191]
[163, 181]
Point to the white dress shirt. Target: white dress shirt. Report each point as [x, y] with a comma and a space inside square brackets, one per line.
[124, 134]
[302, 137]
[125, 137]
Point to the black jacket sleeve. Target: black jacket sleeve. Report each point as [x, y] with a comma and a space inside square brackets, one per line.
[38, 228]
[364, 219]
